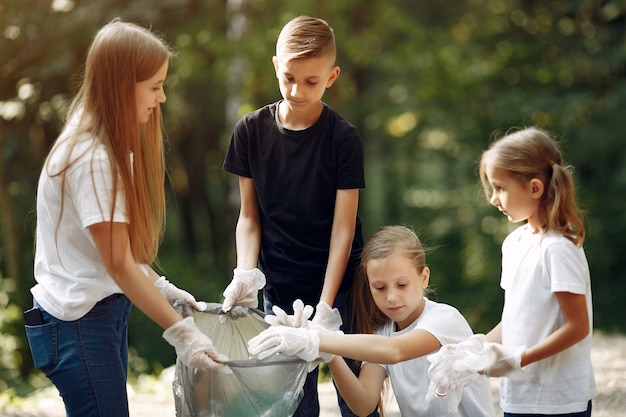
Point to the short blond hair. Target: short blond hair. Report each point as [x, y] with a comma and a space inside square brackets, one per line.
[306, 37]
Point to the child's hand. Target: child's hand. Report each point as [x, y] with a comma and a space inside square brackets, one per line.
[300, 317]
[173, 293]
[298, 341]
[326, 319]
[243, 289]
[504, 360]
[454, 367]
[193, 348]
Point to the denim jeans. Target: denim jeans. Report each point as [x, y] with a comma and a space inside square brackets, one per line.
[86, 359]
[586, 413]
[310, 406]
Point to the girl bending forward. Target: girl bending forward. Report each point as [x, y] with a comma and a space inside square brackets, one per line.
[398, 327]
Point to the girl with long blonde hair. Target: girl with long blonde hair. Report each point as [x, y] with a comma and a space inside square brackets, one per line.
[100, 219]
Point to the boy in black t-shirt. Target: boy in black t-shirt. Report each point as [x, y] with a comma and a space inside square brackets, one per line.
[300, 168]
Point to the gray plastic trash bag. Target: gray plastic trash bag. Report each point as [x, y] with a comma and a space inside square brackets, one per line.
[245, 387]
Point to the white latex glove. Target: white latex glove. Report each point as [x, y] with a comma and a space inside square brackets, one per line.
[296, 341]
[504, 360]
[440, 372]
[455, 366]
[326, 319]
[243, 288]
[300, 317]
[172, 293]
[193, 348]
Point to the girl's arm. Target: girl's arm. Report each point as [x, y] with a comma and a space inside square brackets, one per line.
[363, 393]
[574, 329]
[342, 235]
[379, 349]
[113, 245]
[495, 335]
[248, 230]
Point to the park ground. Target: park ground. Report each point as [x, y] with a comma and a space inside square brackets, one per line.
[153, 397]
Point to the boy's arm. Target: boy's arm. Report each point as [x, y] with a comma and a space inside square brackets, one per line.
[247, 278]
[342, 235]
[363, 393]
[248, 230]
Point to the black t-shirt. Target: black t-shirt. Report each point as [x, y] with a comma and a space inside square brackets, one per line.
[296, 175]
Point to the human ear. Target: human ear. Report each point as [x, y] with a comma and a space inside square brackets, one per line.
[425, 276]
[536, 188]
[334, 73]
[275, 62]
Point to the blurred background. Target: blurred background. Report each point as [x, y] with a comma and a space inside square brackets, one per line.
[428, 84]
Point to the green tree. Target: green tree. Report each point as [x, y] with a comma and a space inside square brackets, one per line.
[427, 84]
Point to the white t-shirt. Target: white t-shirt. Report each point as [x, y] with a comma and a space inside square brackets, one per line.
[410, 381]
[70, 275]
[534, 267]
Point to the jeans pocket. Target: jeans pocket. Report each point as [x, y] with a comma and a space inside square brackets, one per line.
[43, 346]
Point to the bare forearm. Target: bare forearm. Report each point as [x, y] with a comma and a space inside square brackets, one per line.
[370, 347]
[575, 328]
[336, 268]
[248, 242]
[342, 235]
[495, 335]
[144, 295]
[361, 401]
[113, 245]
[557, 342]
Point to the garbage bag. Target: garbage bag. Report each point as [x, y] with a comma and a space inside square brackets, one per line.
[245, 387]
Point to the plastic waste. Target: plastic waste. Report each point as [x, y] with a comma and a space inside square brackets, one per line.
[454, 367]
[245, 387]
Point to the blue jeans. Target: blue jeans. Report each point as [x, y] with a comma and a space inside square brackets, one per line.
[86, 359]
[310, 405]
[586, 413]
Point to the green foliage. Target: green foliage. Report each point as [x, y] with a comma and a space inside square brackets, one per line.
[428, 84]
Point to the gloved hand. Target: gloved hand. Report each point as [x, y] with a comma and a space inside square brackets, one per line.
[300, 317]
[455, 366]
[172, 293]
[326, 319]
[503, 360]
[297, 341]
[192, 347]
[243, 288]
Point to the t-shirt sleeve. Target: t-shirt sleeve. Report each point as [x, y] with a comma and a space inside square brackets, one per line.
[567, 267]
[237, 155]
[351, 161]
[446, 323]
[91, 186]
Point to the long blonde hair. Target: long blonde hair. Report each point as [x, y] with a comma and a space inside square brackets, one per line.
[121, 55]
[531, 153]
